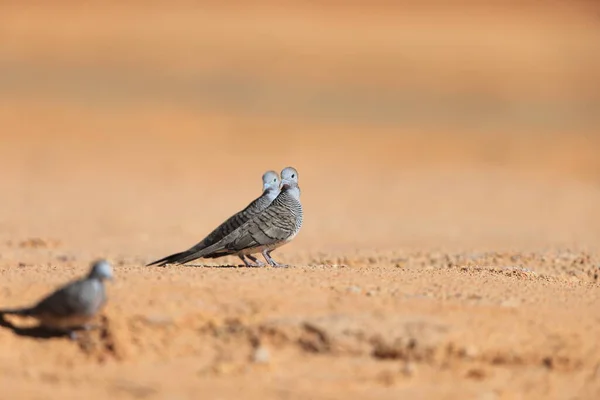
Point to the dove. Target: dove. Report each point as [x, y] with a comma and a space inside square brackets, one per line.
[275, 226]
[271, 184]
[73, 305]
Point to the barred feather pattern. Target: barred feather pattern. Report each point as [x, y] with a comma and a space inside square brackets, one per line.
[276, 225]
[222, 231]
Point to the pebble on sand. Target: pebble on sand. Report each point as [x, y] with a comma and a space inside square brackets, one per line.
[261, 355]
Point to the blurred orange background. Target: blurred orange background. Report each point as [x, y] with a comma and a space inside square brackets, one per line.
[127, 111]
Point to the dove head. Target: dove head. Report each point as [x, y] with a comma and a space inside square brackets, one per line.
[289, 180]
[270, 180]
[101, 270]
[271, 184]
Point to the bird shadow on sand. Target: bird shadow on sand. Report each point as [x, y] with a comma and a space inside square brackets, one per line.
[217, 266]
[239, 266]
[33, 332]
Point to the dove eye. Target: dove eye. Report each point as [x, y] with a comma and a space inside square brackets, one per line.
[293, 175]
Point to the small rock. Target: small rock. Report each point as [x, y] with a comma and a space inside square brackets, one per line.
[354, 289]
[261, 355]
[471, 352]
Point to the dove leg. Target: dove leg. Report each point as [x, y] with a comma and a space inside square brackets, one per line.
[267, 255]
[248, 264]
[256, 261]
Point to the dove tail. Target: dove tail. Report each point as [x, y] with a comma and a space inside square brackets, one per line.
[177, 258]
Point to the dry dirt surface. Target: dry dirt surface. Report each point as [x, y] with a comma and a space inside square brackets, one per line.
[444, 255]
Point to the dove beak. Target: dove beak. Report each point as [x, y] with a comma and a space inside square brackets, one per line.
[285, 185]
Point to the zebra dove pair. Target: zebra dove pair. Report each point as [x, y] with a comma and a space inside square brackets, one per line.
[270, 221]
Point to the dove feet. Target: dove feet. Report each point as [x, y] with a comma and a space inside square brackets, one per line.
[255, 262]
[272, 263]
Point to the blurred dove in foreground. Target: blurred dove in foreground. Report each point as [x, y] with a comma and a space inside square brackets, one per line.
[271, 185]
[277, 225]
[73, 305]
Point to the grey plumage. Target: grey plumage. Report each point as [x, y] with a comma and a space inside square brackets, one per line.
[277, 225]
[73, 305]
[271, 184]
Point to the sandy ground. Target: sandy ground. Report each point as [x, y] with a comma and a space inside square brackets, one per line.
[442, 255]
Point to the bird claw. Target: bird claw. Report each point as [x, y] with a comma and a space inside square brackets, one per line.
[272, 262]
[277, 265]
[257, 263]
[253, 263]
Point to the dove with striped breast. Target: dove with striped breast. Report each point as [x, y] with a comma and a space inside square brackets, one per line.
[271, 187]
[274, 227]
